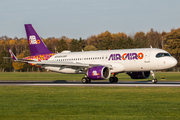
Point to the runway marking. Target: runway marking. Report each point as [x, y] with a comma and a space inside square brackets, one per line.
[105, 85]
[92, 84]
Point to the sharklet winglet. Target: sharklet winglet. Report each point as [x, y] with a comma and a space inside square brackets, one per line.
[12, 55]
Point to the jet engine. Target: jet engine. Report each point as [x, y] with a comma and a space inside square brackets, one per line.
[98, 73]
[139, 75]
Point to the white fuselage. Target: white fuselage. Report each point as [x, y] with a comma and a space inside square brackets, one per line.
[124, 60]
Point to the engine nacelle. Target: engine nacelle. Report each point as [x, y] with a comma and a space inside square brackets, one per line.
[139, 75]
[98, 73]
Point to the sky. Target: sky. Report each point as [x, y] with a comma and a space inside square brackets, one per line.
[84, 18]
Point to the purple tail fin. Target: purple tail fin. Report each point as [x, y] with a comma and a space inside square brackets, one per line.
[36, 45]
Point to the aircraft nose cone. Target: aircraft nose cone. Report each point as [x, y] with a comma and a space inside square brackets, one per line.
[173, 62]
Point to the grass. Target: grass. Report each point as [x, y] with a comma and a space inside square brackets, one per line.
[45, 76]
[86, 103]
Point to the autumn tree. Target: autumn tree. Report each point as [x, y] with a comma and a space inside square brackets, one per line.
[92, 40]
[81, 44]
[68, 42]
[13, 45]
[74, 45]
[154, 39]
[163, 34]
[119, 39]
[2, 45]
[5, 64]
[62, 45]
[140, 40]
[90, 48]
[19, 65]
[172, 45]
[105, 41]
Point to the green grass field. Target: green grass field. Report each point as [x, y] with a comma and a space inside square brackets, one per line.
[86, 103]
[46, 76]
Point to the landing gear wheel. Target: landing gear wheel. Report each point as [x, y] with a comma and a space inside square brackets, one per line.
[154, 80]
[86, 80]
[113, 79]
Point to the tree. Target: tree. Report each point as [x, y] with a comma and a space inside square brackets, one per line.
[140, 40]
[130, 43]
[2, 45]
[73, 45]
[90, 48]
[172, 45]
[62, 45]
[5, 64]
[81, 44]
[119, 40]
[19, 65]
[154, 39]
[92, 40]
[105, 41]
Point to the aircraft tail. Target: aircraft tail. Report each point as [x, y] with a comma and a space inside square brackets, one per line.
[12, 55]
[36, 45]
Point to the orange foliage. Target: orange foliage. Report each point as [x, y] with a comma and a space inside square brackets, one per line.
[18, 65]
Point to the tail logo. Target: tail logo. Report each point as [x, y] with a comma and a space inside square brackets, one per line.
[32, 40]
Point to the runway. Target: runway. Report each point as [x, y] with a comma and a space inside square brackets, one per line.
[92, 84]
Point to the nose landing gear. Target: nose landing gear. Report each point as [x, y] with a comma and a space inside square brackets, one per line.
[154, 80]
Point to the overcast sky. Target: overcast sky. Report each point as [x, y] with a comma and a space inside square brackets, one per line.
[83, 18]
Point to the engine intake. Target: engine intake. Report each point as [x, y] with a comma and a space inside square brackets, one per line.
[98, 73]
[139, 75]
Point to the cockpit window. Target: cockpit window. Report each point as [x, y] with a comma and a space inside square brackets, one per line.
[162, 55]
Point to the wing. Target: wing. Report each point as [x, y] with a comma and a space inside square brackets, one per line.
[61, 65]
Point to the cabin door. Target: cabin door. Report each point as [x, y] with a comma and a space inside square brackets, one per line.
[147, 56]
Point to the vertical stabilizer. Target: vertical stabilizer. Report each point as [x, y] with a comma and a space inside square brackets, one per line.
[36, 45]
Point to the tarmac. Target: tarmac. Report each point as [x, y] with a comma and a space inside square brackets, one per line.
[92, 84]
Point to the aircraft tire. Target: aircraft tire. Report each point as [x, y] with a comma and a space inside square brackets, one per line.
[88, 80]
[84, 80]
[111, 79]
[115, 79]
[154, 80]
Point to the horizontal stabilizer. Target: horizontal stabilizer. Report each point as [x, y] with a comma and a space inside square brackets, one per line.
[7, 58]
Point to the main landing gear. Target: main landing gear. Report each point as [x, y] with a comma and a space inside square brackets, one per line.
[113, 79]
[154, 80]
[86, 80]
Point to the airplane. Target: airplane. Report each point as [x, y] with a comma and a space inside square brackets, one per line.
[138, 63]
